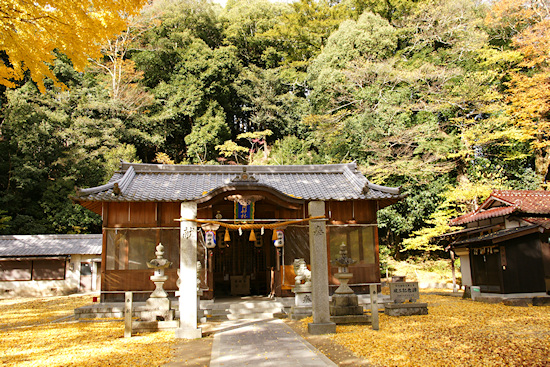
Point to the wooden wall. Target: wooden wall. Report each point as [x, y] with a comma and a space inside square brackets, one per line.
[355, 211]
[162, 214]
[140, 214]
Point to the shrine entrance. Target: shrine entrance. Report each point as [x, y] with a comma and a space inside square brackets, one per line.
[244, 261]
[241, 267]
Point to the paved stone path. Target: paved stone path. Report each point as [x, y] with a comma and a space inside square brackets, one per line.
[263, 343]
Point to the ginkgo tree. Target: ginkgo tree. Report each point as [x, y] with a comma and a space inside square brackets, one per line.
[528, 23]
[31, 31]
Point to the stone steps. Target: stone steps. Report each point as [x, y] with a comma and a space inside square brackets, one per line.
[214, 311]
[152, 326]
[254, 310]
[103, 311]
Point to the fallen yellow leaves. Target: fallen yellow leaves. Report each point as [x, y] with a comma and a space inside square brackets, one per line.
[73, 343]
[456, 332]
[17, 312]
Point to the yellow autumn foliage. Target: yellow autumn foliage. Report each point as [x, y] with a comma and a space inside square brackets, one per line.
[17, 312]
[32, 30]
[529, 84]
[36, 332]
[456, 332]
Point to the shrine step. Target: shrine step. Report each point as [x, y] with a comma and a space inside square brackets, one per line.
[243, 310]
[152, 326]
[105, 311]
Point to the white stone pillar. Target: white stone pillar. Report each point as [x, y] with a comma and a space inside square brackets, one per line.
[128, 307]
[319, 271]
[188, 274]
[373, 290]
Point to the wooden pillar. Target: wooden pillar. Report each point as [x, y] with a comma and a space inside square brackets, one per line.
[319, 271]
[188, 274]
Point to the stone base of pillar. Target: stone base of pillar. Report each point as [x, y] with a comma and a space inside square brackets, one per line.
[321, 328]
[182, 333]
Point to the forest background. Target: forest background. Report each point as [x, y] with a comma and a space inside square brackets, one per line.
[448, 99]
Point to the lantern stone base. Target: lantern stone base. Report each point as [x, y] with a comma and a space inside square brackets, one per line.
[345, 304]
[152, 326]
[406, 309]
[157, 309]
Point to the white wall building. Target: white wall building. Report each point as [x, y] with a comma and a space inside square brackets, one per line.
[48, 265]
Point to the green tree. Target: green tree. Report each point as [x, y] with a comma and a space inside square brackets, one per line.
[208, 131]
[370, 38]
[246, 23]
[52, 142]
[267, 102]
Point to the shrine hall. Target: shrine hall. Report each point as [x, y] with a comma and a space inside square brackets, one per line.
[245, 225]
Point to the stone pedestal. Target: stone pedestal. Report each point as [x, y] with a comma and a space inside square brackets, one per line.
[344, 306]
[406, 309]
[158, 309]
[302, 302]
[345, 309]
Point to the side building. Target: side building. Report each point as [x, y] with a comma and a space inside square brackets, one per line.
[49, 265]
[504, 246]
[263, 212]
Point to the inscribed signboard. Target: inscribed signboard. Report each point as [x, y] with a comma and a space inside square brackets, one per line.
[404, 291]
[244, 211]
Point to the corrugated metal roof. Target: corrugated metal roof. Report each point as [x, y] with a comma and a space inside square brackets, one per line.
[50, 245]
[156, 182]
[499, 236]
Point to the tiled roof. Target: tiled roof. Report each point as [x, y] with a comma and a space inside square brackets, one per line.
[505, 202]
[157, 182]
[481, 215]
[543, 222]
[526, 201]
[50, 245]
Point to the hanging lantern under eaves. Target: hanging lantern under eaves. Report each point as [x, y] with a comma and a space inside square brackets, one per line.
[210, 239]
[280, 240]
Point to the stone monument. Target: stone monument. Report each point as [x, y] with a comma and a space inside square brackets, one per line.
[401, 292]
[344, 307]
[302, 289]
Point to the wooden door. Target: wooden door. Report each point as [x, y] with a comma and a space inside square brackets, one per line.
[86, 277]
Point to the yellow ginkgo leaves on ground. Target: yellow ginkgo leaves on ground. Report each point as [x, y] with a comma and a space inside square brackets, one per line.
[18, 312]
[28, 337]
[456, 332]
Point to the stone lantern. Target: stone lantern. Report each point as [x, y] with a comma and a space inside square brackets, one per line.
[158, 306]
[344, 306]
